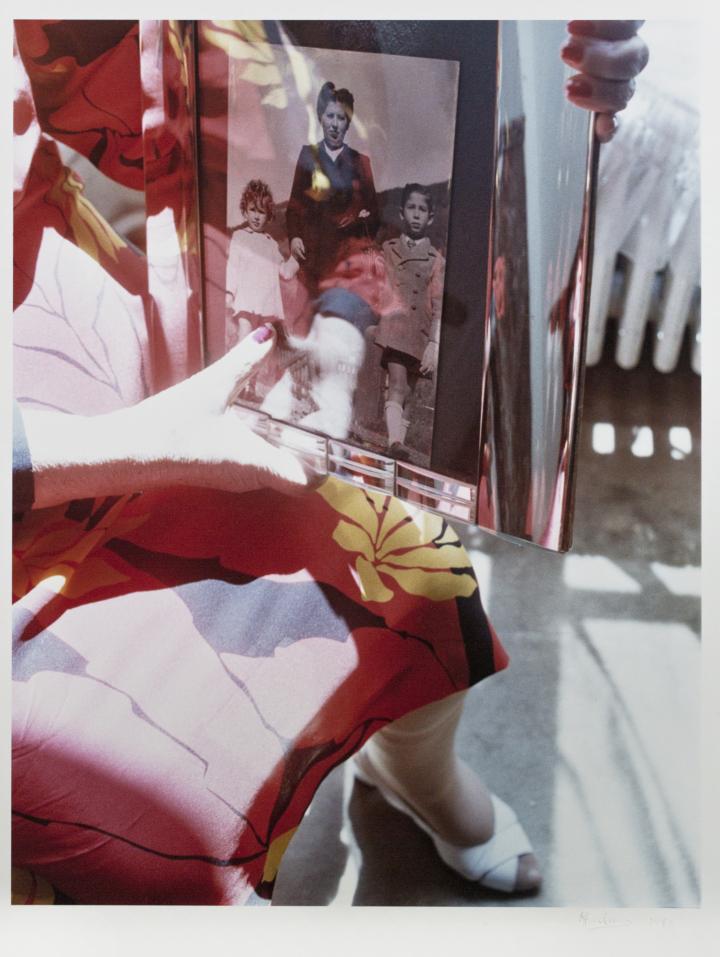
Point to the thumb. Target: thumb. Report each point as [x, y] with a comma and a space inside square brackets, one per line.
[260, 464]
[226, 377]
[284, 471]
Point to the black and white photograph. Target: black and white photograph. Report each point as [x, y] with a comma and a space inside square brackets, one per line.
[338, 198]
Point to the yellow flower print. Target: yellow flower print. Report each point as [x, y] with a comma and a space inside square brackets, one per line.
[275, 853]
[179, 48]
[320, 185]
[55, 550]
[90, 231]
[246, 41]
[415, 550]
[29, 888]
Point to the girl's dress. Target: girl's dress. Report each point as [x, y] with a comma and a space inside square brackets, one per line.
[188, 664]
[255, 267]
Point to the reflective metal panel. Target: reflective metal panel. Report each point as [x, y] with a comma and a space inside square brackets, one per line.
[361, 467]
[167, 61]
[435, 493]
[309, 448]
[539, 264]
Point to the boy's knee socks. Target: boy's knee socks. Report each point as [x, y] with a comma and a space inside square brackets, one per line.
[394, 422]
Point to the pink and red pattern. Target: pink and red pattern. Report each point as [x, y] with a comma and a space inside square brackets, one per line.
[189, 665]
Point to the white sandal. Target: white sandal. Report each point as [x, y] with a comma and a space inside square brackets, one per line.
[493, 864]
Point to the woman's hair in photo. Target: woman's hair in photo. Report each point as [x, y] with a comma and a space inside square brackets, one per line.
[258, 193]
[328, 94]
[417, 188]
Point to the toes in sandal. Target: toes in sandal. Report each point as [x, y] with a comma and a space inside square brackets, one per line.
[493, 864]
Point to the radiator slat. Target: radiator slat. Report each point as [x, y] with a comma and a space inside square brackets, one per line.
[647, 234]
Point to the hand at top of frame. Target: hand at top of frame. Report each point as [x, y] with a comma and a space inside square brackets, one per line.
[608, 55]
[187, 435]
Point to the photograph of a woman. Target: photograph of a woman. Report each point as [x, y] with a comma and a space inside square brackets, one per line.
[333, 196]
[359, 186]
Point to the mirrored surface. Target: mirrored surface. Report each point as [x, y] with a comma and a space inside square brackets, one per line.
[435, 493]
[539, 258]
[361, 467]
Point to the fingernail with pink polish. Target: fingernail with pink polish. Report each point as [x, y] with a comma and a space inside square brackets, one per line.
[585, 28]
[579, 87]
[605, 127]
[262, 334]
[573, 52]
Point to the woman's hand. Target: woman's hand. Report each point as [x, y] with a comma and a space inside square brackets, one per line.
[187, 435]
[297, 249]
[349, 218]
[608, 55]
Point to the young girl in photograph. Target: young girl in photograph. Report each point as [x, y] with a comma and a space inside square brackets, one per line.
[409, 335]
[255, 267]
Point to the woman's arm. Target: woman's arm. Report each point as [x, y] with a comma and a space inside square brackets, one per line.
[368, 197]
[187, 435]
[288, 267]
[298, 204]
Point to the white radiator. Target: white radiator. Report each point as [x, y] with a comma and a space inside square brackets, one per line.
[647, 233]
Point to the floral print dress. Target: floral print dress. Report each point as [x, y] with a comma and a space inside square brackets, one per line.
[188, 665]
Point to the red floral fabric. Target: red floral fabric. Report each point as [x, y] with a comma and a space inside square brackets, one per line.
[188, 665]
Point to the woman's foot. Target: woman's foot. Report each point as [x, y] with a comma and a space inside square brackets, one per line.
[462, 819]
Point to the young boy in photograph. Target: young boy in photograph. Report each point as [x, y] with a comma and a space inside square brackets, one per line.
[409, 335]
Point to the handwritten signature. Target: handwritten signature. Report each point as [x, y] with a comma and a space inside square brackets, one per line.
[604, 919]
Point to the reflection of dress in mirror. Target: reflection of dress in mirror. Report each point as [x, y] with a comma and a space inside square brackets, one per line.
[410, 333]
[255, 267]
[333, 205]
[507, 493]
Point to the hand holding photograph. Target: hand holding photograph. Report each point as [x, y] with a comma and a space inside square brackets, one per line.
[385, 195]
[339, 246]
